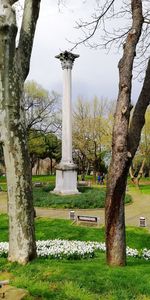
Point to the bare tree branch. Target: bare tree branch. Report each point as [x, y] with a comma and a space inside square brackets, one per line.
[30, 16]
[95, 22]
[11, 2]
[138, 118]
[106, 30]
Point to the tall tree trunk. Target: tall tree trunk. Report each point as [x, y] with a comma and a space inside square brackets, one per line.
[121, 158]
[14, 67]
[37, 166]
[22, 246]
[94, 163]
[51, 165]
[94, 175]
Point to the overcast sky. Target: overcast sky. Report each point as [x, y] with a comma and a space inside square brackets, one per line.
[94, 72]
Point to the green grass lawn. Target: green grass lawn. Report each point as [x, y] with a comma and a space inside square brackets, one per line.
[55, 228]
[44, 178]
[143, 188]
[85, 279]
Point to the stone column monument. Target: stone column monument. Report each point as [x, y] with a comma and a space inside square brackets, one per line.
[66, 170]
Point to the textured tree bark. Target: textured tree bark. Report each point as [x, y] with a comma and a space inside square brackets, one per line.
[121, 157]
[138, 118]
[14, 68]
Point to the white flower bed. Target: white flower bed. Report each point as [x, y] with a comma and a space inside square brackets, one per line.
[73, 249]
[146, 254]
[64, 248]
[4, 247]
[132, 252]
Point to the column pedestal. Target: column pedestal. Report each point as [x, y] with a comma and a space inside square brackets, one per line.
[66, 179]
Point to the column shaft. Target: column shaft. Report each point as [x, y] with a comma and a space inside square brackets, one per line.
[67, 118]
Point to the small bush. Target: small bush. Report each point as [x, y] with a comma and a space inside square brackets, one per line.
[89, 198]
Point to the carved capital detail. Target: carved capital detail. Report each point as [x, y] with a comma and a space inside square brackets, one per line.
[67, 59]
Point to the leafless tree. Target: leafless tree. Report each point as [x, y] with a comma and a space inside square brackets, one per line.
[42, 109]
[133, 34]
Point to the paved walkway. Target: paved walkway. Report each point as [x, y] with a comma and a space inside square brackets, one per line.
[139, 208]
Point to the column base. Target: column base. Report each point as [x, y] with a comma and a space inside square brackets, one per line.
[66, 179]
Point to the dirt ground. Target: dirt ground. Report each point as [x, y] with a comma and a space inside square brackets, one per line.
[139, 208]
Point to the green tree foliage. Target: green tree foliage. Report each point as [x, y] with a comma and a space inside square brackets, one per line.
[43, 145]
[92, 134]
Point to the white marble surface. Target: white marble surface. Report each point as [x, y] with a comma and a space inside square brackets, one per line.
[66, 171]
[66, 182]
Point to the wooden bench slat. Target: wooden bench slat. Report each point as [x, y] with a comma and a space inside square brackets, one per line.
[87, 219]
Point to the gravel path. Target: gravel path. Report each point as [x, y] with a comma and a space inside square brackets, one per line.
[139, 208]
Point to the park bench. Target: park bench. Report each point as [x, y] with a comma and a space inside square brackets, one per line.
[3, 283]
[38, 184]
[88, 219]
[84, 183]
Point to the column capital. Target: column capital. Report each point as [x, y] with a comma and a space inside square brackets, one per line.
[67, 59]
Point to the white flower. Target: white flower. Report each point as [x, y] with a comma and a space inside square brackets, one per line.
[4, 248]
[73, 249]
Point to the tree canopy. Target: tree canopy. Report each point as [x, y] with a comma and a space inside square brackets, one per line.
[91, 134]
